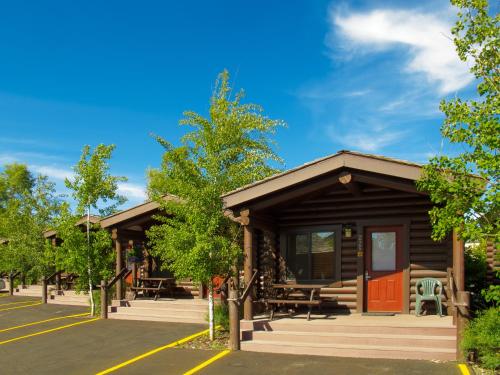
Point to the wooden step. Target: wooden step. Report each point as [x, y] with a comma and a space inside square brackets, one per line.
[194, 305]
[350, 350]
[313, 327]
[132, 315]
[350, 338]
[190, 314]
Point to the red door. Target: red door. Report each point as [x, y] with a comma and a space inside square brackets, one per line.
[384, 269]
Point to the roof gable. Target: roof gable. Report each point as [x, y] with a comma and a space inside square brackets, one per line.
[342, 159]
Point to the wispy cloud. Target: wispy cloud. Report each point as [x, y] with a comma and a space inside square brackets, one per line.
[132, 191]
[430, 50]
[365, 139]
[52, 172]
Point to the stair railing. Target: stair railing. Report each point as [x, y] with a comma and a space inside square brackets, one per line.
[106, 286]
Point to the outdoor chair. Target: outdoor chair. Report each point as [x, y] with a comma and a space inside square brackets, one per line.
[425, 290]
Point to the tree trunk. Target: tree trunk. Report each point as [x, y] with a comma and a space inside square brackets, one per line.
[89, 269]
[211, 310]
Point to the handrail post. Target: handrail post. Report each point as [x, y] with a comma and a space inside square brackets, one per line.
[11, 284]
[234, 317]
[44, 290]
[104, 300]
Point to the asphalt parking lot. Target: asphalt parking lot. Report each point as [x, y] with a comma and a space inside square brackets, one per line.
[56, 339]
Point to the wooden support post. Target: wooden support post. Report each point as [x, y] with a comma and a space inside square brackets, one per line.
[461, 313]
[234, 318]
[118, 268]
[44, 290]
[134, 274]
[458, 262]
[58, 283]
[104, 300]
[248, 269]
[11, 284]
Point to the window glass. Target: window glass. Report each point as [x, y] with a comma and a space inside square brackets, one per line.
[322, 255]
[383, 251]
[301, 244]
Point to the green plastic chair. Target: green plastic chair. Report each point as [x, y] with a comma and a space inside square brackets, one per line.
[429, 293]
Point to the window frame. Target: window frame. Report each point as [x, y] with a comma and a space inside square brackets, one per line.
[285, 250]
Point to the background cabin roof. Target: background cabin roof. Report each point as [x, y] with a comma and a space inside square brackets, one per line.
[342, 159]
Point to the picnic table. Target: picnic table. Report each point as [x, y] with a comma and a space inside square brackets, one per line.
[310, 292]
[156, 285]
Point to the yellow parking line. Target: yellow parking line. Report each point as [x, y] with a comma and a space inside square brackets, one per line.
[207, 362]
[4, 295]
[42, 321]
[464, 369]
[154, 351]
[18, 303]
[47, 331]
[21, 307]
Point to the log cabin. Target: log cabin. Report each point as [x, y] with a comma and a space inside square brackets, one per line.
[357, 225]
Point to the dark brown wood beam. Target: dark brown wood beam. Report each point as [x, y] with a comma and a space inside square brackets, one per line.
[307, 191]
[348, 181]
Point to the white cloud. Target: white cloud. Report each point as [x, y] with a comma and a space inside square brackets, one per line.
[132, 191]
[367, 140]
[52, 172]
[426, 35]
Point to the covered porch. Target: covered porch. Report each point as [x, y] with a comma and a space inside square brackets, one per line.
[147, 292]
[128, 230]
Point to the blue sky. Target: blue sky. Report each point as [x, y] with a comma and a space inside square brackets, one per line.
[358, 75]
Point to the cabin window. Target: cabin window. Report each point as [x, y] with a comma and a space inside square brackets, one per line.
[313, 254]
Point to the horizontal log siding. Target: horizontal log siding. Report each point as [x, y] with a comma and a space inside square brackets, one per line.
[427, 258]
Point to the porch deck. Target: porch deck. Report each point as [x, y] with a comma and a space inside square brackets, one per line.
[401, 336]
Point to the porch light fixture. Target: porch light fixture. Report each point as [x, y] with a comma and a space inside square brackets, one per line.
[347, 231]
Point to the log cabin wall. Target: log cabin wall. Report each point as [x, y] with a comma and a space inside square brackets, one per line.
[339, 206]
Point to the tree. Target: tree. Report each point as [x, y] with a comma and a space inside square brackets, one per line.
[28, 206]
[92, 187]
[463, 202]
[230, 148]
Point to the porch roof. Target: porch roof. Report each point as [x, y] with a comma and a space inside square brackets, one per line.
[342, 159]
[146, 208]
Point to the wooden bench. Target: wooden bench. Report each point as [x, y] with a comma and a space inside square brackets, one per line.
[295, 302]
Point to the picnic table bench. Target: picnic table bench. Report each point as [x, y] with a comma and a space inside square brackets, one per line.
[311, 293]
[154, 285]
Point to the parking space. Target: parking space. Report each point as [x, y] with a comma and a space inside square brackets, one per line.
[61, 342]
[246, 363]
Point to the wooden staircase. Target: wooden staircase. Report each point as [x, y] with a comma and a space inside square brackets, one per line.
[362, 337]
[174, 310]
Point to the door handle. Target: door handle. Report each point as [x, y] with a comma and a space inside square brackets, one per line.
[367, 277]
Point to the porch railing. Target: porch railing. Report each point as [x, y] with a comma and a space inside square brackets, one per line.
[106, 286]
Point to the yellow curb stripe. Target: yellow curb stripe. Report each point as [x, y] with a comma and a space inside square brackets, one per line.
[21, 307]
[47, 331]
[42, 321]
[154, 351]
[18, 303]
[3, 295]
[207, 362]
[464, 369]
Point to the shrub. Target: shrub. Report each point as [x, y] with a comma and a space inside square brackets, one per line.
[482, 336]
[475, 274]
